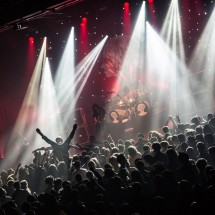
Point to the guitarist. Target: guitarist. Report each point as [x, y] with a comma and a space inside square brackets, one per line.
[60, 148]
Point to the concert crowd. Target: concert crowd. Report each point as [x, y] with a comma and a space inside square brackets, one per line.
[171, 172]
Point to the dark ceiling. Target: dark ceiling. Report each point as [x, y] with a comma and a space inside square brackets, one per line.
[19, 11]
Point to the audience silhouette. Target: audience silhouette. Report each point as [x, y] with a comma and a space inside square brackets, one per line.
[171, 172]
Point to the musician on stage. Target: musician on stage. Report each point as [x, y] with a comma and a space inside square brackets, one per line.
[99, 115]
[60, 148]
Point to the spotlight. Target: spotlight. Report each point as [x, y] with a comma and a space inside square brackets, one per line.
[150, 1]
[18, 27]
[84, 20]
[31, 40]
[126, 4]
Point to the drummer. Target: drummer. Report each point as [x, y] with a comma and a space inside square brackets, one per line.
[129, 96]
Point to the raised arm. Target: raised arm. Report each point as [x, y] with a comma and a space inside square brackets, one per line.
[71, 135]
[44, 137]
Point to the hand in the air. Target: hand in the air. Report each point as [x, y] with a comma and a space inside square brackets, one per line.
[38, 131]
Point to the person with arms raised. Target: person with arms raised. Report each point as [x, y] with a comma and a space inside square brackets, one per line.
[60, 148]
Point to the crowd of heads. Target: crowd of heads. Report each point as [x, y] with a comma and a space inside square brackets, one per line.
[171, 172]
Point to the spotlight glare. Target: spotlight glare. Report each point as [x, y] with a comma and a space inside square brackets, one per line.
[27, 116]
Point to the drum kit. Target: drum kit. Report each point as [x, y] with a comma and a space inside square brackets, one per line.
[125, 107]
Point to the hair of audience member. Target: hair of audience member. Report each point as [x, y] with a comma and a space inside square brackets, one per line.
[165, 129]
[86, 159]
[201, 146]
[208, 170]
[120, 141]
[91, 164]
[78, 178]
[24, 184]
[16, 185]
[181, 138]
[66, 183]
[146, 149]
[49, 180]
[77, 165]
[183, 146]
[2, 192]
[209, 138]
[209, 116]
[75, 158]
[164, 145]
[156, 147]
[200, 138]
[140, 140]
[195, 120]
[10, 183]
[125, 209]
[11, 171]
[132, 141]
[140, 135]
[53, 170]
[201, 163]
[190, 132]
[121, 159]
[211, 150]
[156, 134]
[4, 176]
[90, 175]
[132, 151]
[212, 121]
[58, 183]
[136, 176]
[113, 161]
[11, 177]
[207, 129]
[149, 159]
[115, 150]
[61, 166]
[106, 152]
[121, 148]
[171, 154]
[167, 136]
[109, 173]
[112, 145]
[153, 139]
[127, 144]
[139, 162]
[97, 162]
[175, 139]
[199, 129]
[183, 157]
[181, 127]
[191, 153]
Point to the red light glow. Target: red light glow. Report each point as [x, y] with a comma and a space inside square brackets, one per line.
[126, 19]
[126, 4]
[84, 20]
[31, 40]
[150, 1]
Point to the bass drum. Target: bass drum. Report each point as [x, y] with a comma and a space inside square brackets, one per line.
[141, 108]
